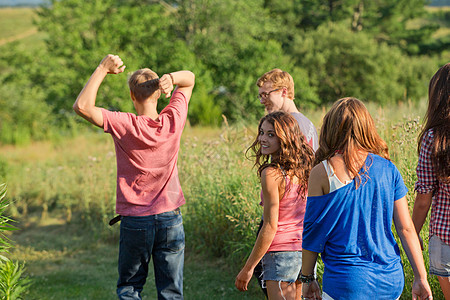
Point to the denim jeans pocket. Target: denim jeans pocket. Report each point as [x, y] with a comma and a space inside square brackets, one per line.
[175, 237]
[133, 238]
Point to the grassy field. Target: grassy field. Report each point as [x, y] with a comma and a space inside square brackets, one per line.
[69, 261]
[63, 196]
[16, 24]
[76, 257]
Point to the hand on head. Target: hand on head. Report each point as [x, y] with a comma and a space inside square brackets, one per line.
[113, 64]
[166, 84]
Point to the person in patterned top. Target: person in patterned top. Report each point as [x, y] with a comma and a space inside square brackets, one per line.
[433, 177]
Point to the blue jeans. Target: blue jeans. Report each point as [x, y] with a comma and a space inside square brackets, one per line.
[141, 238]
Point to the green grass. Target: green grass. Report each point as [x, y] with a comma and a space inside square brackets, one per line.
[63, 195]
[16, 25]
[68, 261]
[15, 21]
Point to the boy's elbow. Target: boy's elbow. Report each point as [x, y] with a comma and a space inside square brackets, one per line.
[192, 75]
[79, 110]
[76, 108]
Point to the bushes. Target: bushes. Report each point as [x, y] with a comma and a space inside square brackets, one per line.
[12, 284]
[342, 63]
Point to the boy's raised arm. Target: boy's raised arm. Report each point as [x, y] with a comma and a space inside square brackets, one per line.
[184, 80]
[85, 103]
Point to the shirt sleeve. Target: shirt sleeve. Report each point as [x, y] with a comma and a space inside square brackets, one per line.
[116, 123]
[318, 223]
[178, 107]
[426, 178]
[400, 189]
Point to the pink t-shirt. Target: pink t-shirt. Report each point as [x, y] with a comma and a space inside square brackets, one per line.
[146, 154]
[290, 220]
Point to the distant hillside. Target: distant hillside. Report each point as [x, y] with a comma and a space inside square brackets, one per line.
[21, 2]
[440, 3]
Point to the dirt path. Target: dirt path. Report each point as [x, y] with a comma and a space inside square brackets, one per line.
[18, 36]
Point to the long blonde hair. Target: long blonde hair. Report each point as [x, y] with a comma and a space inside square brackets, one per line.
[347, 128]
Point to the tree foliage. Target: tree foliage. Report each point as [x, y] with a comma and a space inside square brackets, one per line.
[340, 62]
[332, 49]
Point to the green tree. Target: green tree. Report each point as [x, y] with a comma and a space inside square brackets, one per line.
[25, 114]
[143, 33]
[385, 20]
[235, 42]
[343, 63]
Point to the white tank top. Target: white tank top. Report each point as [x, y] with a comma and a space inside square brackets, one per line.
[334, 181]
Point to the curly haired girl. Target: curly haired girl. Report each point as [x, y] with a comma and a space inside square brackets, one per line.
[284, 160]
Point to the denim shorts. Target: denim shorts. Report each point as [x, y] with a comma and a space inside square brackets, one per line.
[439, 257]
[282, 265]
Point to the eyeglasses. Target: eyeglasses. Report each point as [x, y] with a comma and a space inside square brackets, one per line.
[266, 94]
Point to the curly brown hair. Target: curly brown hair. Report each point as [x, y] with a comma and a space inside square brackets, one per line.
[295, 156]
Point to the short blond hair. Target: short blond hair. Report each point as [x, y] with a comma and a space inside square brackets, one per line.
[144, 84]
[279, 79]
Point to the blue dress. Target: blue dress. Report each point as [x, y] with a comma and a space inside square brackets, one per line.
[351, 228]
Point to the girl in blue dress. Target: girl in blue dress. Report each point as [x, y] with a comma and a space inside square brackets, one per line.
[354, 194]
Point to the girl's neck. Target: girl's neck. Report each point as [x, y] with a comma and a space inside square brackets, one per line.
[341, 169]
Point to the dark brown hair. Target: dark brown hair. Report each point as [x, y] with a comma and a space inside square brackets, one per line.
[437, 118]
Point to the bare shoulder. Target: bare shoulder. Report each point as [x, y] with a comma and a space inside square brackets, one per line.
[271, 175]
[318, 181]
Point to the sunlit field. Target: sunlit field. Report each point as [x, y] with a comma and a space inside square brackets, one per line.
[62, 193]
[72, 182]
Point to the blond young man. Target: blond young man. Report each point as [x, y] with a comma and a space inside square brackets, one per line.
[148, 189]
[276, 92]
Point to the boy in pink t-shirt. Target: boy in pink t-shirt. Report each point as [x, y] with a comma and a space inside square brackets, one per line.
[148, 189]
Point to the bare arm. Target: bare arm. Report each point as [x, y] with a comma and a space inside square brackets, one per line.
[311, 289]
[317, 186]
[85, 103]
[420, 212]
[318, 181]
[184, 80]
[270, 181]
[408, 236]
